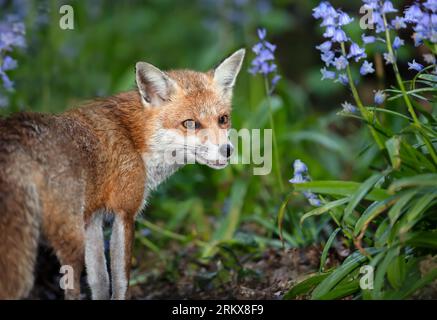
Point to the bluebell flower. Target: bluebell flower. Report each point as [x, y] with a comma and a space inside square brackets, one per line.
[301, 175]
[397, 43]
[424, 21]
[262, 33]
[389, 58]
[7, 83]
[339, 36]
[11, 37]
[312, 199]
[379, 97]
[387, 7]
[329, 32]
[413, 13]
[415, 66]
[343, 79]
[328, 57]
[8, 63]
[327, 74]
[344, 19]
[431, 5]
[325, 46]
[398, 23]
[356, 52]
[324, 9]
[275, 80]
[340, 63]
[263, 63]
[366, 68]
[300, 167]
[368, 39]
[348, 107]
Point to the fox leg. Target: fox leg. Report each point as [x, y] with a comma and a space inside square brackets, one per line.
[121, 255]
[70, 252]
[95, 260]
[67, 239]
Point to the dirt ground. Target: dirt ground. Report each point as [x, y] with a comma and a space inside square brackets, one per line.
[183, 276]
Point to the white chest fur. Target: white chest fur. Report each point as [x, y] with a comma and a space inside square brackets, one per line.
[157, 171]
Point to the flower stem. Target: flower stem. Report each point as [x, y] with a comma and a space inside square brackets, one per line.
[275, 144]
[366, 114]
[398, 74]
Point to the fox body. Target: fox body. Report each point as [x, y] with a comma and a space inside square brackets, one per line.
[60, 174]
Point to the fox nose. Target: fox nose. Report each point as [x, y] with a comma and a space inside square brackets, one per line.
[226, 150]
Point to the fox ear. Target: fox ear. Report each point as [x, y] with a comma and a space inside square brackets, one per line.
[226, 73]
[154, 85]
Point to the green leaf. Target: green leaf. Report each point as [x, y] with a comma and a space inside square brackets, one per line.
[381, 270]
[325, 208]
[351, 263]
[362, 191]
[342, 188]
[427, 179]
[393, 148]
[326, 248]
[414, 214]
[396, 210]
[281, 214]
[305, 286]
[396, 271]
[372, 212]
[424, 239]
[342, 290]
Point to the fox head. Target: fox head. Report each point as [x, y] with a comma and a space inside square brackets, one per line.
[191, 111]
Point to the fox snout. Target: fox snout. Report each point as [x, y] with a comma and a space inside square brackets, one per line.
[226, 150]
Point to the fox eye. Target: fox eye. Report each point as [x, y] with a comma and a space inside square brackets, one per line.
[224, 119]
[191, 124]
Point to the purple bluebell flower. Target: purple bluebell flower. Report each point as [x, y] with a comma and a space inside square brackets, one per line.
[389, 58]
[366, 68]
[275, 80]
[328, 57]
[11, 37]
[348, 107]
[300, 167]
[368, 39]
[301, 175]
[7, 83]
[413, 13]
[343, 79]
[356, 52]
[387, 7]
[398, 23]
[379, 97]
[424, 21]
[340, 63]
[264, 63]
[8, 63]
[397, 43]
[339, 36]
[329, 32]
[327, 74]
[415, 66]
[325, 46]
[431, 5]
[344, 19]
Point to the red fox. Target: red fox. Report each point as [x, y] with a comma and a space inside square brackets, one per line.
[60, 174]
